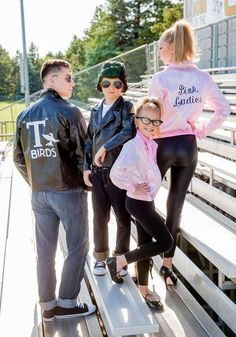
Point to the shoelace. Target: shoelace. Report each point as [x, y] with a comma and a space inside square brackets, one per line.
[81, 305]
[100, 264]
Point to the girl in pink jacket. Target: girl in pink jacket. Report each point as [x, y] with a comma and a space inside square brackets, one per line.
[136, 171]
[183, 90]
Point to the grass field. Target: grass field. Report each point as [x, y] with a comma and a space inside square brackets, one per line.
[10, 110]
[8, 114]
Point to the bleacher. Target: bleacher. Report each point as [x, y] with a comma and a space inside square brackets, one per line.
[204, 301]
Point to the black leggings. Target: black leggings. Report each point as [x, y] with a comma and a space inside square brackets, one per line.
[149, 225]
[178, 153]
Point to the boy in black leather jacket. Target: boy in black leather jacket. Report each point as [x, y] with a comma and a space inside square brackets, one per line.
[48, 152]
[110, 126]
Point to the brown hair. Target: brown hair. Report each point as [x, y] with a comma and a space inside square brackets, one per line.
[52, 65]
[150, 103]
[182, 37]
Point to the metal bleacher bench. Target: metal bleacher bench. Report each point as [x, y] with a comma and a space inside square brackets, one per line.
[217, 147]
[203, 230]
[216, 163]
[121, 306]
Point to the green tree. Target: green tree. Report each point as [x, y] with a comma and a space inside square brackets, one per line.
[34, 65]
[7, 82]
[170, 15]
[75, 54]
[99, 42]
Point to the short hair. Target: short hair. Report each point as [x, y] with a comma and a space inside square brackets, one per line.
[150, 103]
[182, 37]
[51, 65]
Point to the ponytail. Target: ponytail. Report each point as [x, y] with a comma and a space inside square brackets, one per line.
[182, 37]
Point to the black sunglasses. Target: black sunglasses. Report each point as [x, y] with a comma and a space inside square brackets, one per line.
[68, 78]
[106, 84]
[147, 121]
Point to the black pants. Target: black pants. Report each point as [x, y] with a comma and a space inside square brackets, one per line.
[178, 153]
[104, 195]
[149, 225]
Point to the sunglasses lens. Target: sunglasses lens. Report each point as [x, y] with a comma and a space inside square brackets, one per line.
[117, 84]
[106, 84]
[69, 79]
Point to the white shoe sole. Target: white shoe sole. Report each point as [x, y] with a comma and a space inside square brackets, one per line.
[123, 272]
[99, 273]
[48, 319]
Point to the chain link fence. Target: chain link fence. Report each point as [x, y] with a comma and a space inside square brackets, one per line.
[217, 46]
[136, 62]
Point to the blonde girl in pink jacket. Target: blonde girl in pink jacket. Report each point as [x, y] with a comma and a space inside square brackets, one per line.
[183, 90]
[136, 171]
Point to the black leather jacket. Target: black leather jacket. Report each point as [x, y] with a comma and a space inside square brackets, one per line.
[49, 143]
[111, 131]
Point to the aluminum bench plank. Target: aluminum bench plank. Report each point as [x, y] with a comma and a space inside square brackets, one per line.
[125, 309]
[214, 241]
[19, 297]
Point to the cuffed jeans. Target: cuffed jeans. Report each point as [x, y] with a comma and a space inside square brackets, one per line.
[70, 208]
[104, 195]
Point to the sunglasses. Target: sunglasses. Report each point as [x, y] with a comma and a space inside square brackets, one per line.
[147, 121]
[106, 84]
[68, 78]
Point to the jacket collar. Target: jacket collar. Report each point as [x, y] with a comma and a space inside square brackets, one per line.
[50, 92]
[109, 116]
[186, 64]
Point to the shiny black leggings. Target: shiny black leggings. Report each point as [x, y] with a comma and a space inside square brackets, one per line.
[149, 226]
[179, 154]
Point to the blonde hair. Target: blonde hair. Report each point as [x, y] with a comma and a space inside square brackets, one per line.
[184, 42]
[150, 103]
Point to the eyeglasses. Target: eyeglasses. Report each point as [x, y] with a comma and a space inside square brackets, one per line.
[68, 78]
[106, 84]
[147, 121]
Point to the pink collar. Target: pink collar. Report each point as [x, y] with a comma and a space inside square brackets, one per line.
[181, 65]
[150, 145]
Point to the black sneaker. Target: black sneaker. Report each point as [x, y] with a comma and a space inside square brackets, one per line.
[80, 310]
[48, 315]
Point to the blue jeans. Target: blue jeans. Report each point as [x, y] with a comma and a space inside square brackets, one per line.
[70, 208]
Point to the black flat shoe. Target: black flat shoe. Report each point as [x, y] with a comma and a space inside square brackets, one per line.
[165, 273]
[156, 304]
[111, 265]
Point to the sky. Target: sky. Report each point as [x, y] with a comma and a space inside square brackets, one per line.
[50, 24]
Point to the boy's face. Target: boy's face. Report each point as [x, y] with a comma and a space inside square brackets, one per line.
[111, 88]
[62, 82]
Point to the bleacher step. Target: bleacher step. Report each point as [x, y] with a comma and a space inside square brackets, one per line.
[125, 310]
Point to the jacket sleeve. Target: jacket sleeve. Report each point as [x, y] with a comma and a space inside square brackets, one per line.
[123, 171]
[128, 130]
[88, 146]
[18, 155]
[216, 100]
[78, 131]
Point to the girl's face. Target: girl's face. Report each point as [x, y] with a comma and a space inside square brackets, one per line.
[166, 52]
[148, 122]
[111, 88]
